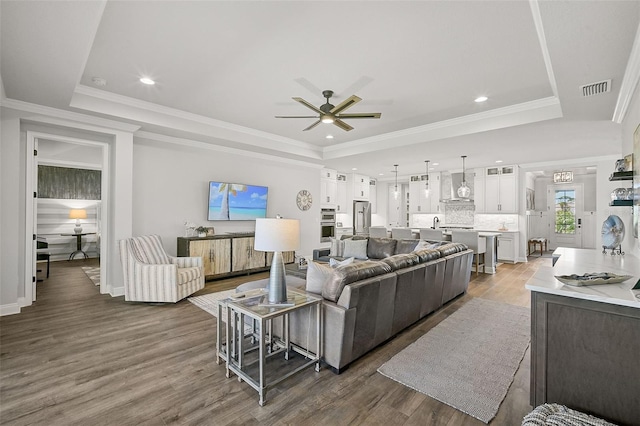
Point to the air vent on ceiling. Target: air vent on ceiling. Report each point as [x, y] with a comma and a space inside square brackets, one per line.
[603, 86]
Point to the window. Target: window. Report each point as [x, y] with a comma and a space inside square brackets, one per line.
[565, 211]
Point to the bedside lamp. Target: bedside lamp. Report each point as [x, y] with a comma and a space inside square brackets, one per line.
[77, 214]
[277, 235]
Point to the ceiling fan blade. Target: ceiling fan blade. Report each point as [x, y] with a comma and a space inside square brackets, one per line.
[361, 115]
[308, 105]
[342, 124]
[347, 103]
[296, 116]
[313, 125]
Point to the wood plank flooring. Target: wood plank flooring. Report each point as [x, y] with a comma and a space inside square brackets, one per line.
[77, 357]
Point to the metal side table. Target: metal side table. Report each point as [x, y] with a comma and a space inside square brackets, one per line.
[254, 355]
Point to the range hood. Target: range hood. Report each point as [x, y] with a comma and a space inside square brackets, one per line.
[450, 182]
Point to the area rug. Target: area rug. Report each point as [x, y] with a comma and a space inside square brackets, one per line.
[92, 273]
[468, 361]
[209, 302]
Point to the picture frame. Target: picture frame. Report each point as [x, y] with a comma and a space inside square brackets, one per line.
[628, 161]
[531, 200]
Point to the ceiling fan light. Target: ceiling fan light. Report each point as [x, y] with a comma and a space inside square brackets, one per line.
[327, 119]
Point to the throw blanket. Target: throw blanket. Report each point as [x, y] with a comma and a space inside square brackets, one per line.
[559, 415]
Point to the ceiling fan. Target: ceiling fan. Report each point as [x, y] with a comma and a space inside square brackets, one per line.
[328, 113]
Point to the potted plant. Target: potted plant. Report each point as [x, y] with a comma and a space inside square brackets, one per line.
[202, 231]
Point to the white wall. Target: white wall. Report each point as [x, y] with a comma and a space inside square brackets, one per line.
[171, 182]
[629, 125]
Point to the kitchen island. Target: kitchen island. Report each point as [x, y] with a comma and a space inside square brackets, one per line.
[585, 340]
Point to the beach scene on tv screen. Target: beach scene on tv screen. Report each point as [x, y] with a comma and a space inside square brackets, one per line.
[232, 201]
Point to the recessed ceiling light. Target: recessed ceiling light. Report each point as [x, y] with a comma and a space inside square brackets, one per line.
[147, 80]
[380, 174]
[481, 99]
[436, 164]
[498, 161]
[329, 137]
[354, 168]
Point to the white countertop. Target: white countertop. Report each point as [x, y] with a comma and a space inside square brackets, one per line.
[584, 261]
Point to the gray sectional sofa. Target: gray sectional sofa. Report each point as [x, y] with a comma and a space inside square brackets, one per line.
[368, 302]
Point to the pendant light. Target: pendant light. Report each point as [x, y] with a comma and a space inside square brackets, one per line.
[426, 185]
[464, 191]
[395, 190]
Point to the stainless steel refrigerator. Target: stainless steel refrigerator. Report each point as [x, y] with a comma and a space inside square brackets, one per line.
[361, 217]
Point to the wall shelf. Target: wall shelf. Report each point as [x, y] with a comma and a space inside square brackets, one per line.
[628, 203]
[621, 176]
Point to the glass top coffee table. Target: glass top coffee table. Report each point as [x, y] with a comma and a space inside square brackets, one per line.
[257, 347]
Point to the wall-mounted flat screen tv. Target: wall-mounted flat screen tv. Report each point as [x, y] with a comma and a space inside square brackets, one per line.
[235, 201]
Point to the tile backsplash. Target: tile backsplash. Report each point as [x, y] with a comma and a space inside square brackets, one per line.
[488, 222]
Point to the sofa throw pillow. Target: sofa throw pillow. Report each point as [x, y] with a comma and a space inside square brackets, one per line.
[355, 248]
[317, 275]
[337, 247]
[334, 263]
[423, 244]
[379, 248]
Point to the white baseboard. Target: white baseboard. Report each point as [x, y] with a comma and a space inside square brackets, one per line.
[9, 309]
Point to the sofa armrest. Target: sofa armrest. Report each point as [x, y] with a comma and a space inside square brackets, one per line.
[186, 262]
[321, 254]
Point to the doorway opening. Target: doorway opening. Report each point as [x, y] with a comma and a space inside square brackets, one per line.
[65, 153]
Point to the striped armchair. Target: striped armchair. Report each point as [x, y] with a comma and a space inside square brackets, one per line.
[151, 275]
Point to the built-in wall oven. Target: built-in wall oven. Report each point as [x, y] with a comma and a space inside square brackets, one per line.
[327, 224]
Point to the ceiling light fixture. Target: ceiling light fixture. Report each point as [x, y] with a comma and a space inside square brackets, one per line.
[147, 81]
[327, 119]
[329, 137]
[436, 164]
[426, 185]
[480, 99]
[562, 177]
[395, 190]
[464, 191]
[498, 161]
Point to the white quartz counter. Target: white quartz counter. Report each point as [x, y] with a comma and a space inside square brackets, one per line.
[584, 261]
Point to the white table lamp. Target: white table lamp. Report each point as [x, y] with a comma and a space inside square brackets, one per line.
[277, 235]
[77, 214]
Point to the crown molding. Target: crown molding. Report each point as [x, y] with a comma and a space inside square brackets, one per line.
[514, 115]
[67, 115]
[220, 148]
[537, 21]
[104, 102]
[629, 82]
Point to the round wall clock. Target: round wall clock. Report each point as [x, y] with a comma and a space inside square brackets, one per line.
[304, 200]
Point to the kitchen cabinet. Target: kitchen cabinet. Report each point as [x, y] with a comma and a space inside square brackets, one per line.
[342, 200]
[508, 247]
[418, 201]
[500, 190]
[244, 256]
[328, 188]
[214, 253]
[373, 195]
[360, 187]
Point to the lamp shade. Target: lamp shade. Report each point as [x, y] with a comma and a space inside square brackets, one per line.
[277, 234]
[77, 214]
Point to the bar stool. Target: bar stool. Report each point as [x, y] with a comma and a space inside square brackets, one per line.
[378, 232]
[475, 243]
[401, 233]
[431, 234]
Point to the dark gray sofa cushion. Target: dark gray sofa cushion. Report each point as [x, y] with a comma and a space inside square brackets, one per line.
[379, 248]
[426, 255]
[451, 248]
[400, 261]
[348, 274]
[405, 246]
